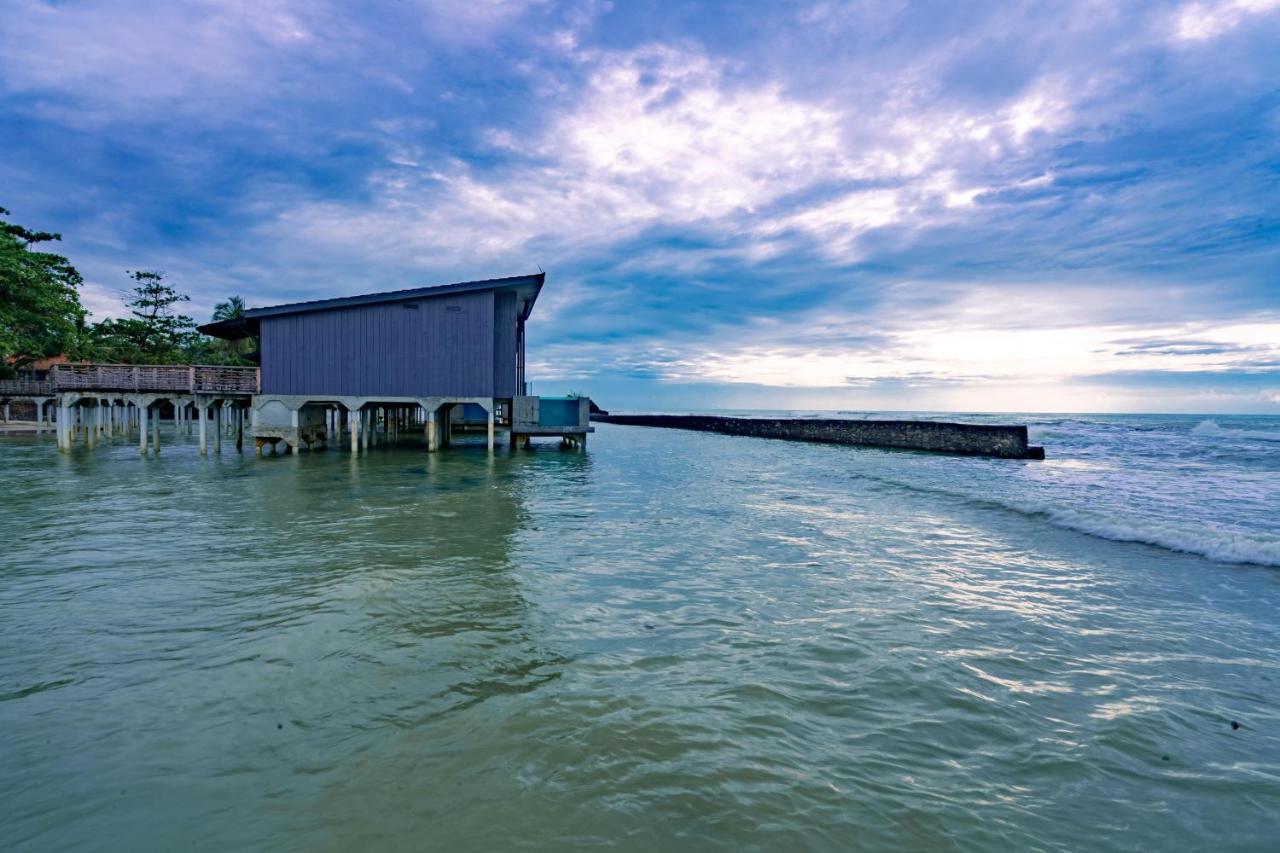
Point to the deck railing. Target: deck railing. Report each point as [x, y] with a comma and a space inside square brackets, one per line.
[193, 379]
[26, 387]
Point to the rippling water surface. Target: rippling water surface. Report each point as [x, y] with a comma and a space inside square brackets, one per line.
[673, 641]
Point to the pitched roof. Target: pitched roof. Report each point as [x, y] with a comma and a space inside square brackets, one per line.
[241, 327]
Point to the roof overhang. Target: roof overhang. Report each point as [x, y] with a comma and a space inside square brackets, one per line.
[527, 288]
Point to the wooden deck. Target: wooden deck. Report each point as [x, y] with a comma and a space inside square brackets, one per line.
[173, 378]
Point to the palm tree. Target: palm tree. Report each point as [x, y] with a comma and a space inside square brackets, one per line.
[232, 309]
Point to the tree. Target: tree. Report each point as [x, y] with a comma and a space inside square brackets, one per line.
[40, 310]
[156, 333]
[232, 309]
[232, 352]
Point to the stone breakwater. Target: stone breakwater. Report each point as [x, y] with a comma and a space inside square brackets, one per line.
[1004, 441]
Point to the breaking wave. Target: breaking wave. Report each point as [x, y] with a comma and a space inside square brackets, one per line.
[1212, 428]
[1222, 545]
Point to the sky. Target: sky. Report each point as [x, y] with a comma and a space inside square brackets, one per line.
[1009, 206]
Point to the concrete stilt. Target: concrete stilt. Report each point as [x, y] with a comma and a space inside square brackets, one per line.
[432, 439]
[490, 434]
[203, 414]
[142, 429]
[239, 429]
[217, 428]
[353, 419]
[155, 430]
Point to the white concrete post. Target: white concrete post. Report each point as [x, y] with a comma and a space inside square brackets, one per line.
[431, 431]
[490, 426]
[142, 429]
[203, 414]
[353, 418]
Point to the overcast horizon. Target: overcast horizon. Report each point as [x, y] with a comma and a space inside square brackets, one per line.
[887, 206]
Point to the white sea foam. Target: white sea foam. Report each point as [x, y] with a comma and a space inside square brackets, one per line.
[1211, 428]
[1205, 539]
[1226, 546]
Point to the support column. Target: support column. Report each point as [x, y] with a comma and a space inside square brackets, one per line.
[353, 418]
[155, 430]
[203, 414]
[239, 429]
[432, 438]
[217, 428]
[490, 426]
[142, 428]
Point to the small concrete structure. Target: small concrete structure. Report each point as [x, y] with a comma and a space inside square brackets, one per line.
[1005, 441]
[567, 417]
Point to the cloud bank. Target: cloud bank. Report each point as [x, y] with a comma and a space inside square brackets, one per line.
[840, 205]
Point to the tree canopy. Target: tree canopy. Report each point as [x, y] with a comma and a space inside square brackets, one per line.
[41, 314]
[40, 310]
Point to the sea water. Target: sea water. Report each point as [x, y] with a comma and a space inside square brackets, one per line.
[673, 640]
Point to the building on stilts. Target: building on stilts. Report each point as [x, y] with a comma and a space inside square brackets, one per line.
[368, 368]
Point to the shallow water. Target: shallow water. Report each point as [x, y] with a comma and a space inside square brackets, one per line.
[672, 640]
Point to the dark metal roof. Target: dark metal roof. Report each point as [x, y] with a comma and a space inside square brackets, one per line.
[242, 327]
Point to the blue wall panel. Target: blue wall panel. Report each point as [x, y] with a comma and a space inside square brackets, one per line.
[443, 345]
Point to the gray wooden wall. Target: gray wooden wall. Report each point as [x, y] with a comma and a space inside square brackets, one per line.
[506, 315]
[447, 345]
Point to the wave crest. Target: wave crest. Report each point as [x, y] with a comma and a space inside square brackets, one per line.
[1211, 427]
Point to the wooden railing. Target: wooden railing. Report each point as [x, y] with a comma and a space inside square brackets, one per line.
[25, 387]
[197, 379]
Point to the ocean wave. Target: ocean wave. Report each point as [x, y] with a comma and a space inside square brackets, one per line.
[1222, 545]
[1225, 546]
[1212, 428]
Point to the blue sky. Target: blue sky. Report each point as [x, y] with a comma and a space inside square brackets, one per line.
[866, 205]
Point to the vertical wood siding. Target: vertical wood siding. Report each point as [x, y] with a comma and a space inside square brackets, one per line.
[505, 308]
[385, 349]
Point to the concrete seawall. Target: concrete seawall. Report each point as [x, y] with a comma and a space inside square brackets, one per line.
[1007, 442]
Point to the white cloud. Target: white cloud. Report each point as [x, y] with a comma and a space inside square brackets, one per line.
[662, 135]
[1201, 21]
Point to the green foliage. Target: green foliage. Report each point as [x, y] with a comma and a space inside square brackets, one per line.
[155, 334]
[41, 315]
[232, 309]
[232, 352]
[40, 311]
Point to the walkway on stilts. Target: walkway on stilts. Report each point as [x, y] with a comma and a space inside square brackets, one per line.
[91, 401]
